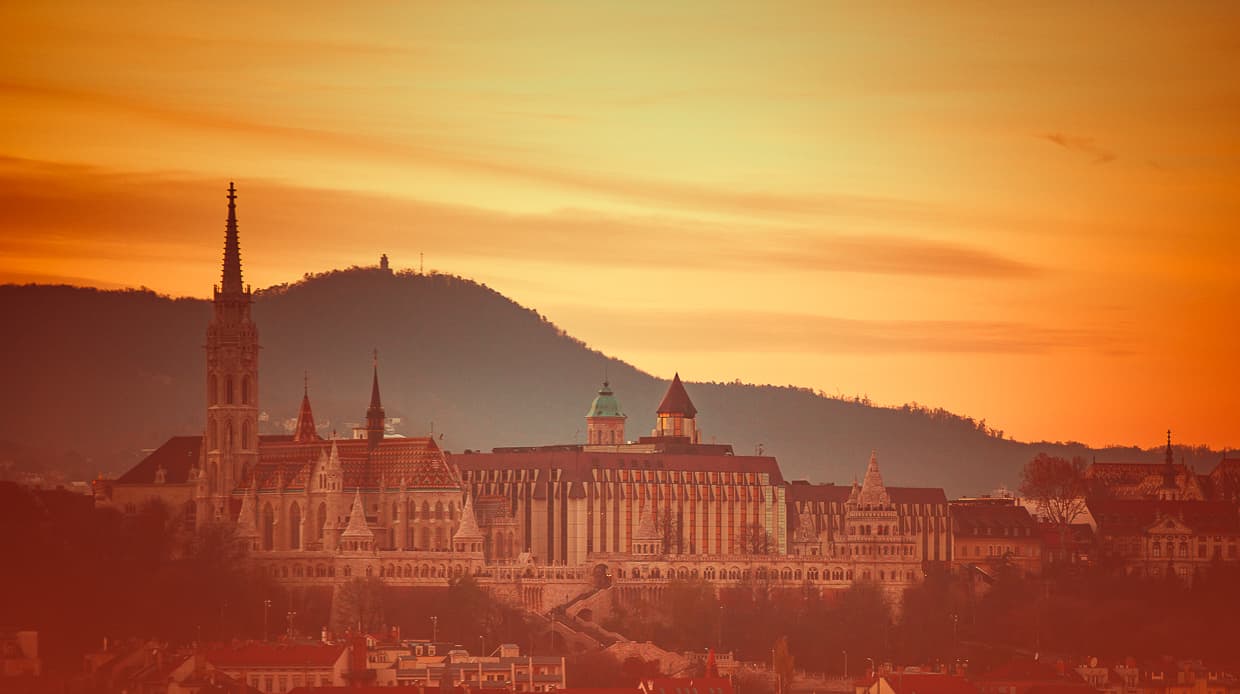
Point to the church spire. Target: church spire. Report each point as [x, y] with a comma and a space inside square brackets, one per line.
[305, 431]
[231, 283]
[375, 414]
[1169, 466]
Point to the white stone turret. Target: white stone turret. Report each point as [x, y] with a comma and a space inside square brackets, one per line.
[468, 537]
[357, 536]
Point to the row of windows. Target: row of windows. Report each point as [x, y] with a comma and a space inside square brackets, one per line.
[222, 388]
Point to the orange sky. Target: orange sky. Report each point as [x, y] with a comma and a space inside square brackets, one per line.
[1026, 214]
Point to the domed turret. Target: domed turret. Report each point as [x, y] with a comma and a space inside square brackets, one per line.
[605, 420]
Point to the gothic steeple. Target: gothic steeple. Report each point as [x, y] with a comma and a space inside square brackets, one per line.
[1169, 467]
[374, 414]
[232, 378]
[231, 283]
[305, 430]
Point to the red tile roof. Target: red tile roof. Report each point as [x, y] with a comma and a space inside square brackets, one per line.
[275, 655]
[677, 401]
[176, 457]
[929, 683]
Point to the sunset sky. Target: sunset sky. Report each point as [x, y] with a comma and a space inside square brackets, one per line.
[1023, 213]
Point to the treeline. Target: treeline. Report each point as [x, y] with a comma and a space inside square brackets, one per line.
[947, 618]
[78, 574]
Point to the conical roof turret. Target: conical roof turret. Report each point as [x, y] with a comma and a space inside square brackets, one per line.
[247, 520]
[468, 529]
[357, 528]
[873, 493]
[677, 401]
[646, 528]
[305, 432]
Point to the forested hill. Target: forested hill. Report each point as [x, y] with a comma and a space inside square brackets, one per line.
[90, 378]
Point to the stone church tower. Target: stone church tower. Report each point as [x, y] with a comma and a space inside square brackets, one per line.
[231, 450]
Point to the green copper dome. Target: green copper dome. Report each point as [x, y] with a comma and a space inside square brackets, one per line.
[605, 405]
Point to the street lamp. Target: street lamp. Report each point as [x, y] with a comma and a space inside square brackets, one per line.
[873, 670]
[482, 646]
[434, 629]
[292, 614]
[845, 664]
[266, 609]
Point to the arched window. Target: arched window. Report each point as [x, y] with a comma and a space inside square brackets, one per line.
[246, 443]
[451, 511]
[245, 390]
[294, 529]
[269, 527]
[228, 436]
[213, 390]
[213, 435]
[228, 390]
[426, 538]
[438, 510]
[426, 510]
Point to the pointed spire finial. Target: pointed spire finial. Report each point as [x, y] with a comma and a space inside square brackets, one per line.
[305, 382]
[231, 282]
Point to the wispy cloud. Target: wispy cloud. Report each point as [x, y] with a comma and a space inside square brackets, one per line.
[58, 210]
[1082, 144]
[748, 331]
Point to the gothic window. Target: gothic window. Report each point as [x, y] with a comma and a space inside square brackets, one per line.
[228, 390]
[426, 538]
[213, 435]
[245, 390]
[439, 544]
[269, 527]
[228, 436]
[191, 515]
[294, 530]
[322, 519]
[451, 511]
[246, 444]
[426, 510]
[213, 392]
[438, 510]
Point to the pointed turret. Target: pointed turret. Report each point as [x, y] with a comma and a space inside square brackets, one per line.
[247, 520]
[468, 537]
[1169, 470]
[231, 281]
[305, 432]
[375, 414]
[676, 413]
[357, 534]
[677, 401]
[647, 540]
[873, 493]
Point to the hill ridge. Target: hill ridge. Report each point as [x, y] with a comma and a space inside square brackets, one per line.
[100, 375]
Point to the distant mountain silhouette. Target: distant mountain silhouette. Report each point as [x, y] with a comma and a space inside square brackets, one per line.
[90, 378]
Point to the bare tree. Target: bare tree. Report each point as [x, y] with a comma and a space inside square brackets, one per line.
[1057, 485]
[756, 540]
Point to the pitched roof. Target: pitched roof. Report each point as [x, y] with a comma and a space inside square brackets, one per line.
[176, 457]
[967, 518]
[1133, 516]
[468, 530]
[802, 491]
[929, 683]
[677, 401]
[873, 493]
